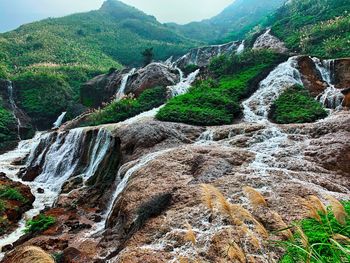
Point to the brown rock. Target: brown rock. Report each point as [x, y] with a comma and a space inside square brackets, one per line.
[311, 78]
[342, 73]
[73, 255]
[31, 173]
[28, 254]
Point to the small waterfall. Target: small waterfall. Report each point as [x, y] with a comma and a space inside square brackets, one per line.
[240, 48]
[256, 108]
[332, 97]
[59, 120]
[183, 86]
[14, 107]
[205, 137]
[121, 92]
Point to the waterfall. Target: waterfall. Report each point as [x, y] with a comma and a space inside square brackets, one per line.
[121, 92]
[14, 107]
[331, 97]
[205, 137]
[240, 48]
[59, 120]
[256, 108]
[183, 86]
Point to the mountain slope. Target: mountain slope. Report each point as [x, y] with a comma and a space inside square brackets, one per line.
[232, 23]
[114, 33]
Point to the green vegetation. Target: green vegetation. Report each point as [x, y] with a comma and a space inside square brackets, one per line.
[39, 224]
[319, 28]
[7, 123]
[9, 193]
[121, 110]
[296, 105]
[114, 34]
[218, 102]
[320, 240]
[148, 56]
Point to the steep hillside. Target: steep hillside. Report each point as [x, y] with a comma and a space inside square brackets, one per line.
[318, 28]
[232, 23]
[102, 38]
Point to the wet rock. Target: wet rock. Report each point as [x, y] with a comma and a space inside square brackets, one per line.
[28, 254]
[7, 248]
[18, 161]
[153, 75]
[342, 73]
[40, 190]
[73, 255]
[72, 184]
[346, 102]
[30, 173]
[268, 41]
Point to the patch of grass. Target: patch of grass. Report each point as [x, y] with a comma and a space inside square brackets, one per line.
[322, 241]
[128, 107]
[2, 206]
[10, 193]
[296, 105]
[41, 223]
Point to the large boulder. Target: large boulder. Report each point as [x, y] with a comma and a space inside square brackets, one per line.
[268, 41]
[342, 73]
[153, 75]
[28, 254]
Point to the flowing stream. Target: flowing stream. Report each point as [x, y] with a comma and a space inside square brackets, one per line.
[59, 120]
[14, 107]
[121, 91]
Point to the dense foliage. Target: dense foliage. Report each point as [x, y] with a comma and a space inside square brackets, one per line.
[39, 224]
[319, 28]
[43, 95]
[128, 107]
[296, 105]
[324, 240]
[7, 124]
[218, 102]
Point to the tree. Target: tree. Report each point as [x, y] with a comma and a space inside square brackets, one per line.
[147, 56]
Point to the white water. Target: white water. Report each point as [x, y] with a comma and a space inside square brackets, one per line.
[121, 91]
[256, 108]
[14, 107]
[59, 120]
[183, 86]
[331, 97]
[240, 48]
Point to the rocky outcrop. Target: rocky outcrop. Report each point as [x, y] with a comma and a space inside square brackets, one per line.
[202, 56]
[29, 254]
[268, 41]
[346, 93]
[153, 75]
[16, 199]
[341, 71]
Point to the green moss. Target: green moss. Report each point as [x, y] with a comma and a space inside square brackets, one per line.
[296, 105]
[127, 108]
[39, 224]
[323, 247]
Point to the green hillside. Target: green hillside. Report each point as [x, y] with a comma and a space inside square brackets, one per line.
[102, 38]
[315, 27]
[232, 23]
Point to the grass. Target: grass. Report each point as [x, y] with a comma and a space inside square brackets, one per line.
[217, 102]
[39, 224]
[118, 111]
[9, 193]
[296, 105]
[321, 239]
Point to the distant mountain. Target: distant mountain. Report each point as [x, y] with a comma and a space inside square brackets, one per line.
[116, 33]
[232, 23]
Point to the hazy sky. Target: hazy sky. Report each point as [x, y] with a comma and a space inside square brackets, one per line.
[13, 13]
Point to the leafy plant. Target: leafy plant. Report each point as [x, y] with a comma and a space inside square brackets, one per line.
[296, 105]
[10, 193]
[39, 224]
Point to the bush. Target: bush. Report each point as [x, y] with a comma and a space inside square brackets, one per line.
[323, 241]
[118, 111]
[39, 224]
[11, 194]
[7, 126]
[296, 105]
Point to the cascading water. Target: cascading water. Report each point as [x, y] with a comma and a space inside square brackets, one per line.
[331, 97]
[121, 92]
[59, 120]
[240, 48]
[14, 107]
[183, 86]
[256, 108]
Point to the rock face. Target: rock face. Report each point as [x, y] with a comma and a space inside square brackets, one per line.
[341, 71]
[268, 41]
[202, 56]
[153, 75]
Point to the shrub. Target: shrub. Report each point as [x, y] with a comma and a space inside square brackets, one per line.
[11, 194]
[296, 105]
[39, 224]
[322, 241]
[126, 108]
